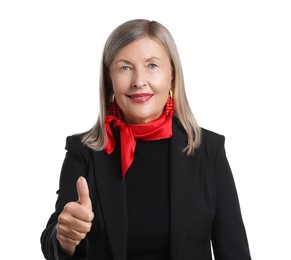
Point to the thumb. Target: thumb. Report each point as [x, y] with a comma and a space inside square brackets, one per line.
[83, 193]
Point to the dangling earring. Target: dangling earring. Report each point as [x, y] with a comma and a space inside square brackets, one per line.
[170, 107]
[113, 109]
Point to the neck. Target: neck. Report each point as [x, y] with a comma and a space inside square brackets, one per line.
[140, 121]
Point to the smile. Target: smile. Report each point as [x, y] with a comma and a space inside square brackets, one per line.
[140, 98]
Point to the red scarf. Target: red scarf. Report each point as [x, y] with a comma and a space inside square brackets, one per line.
[157, 129]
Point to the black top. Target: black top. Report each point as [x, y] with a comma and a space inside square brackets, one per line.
[204, 206]
[148, 201]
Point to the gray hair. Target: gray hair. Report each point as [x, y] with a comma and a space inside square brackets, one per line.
[123, 35]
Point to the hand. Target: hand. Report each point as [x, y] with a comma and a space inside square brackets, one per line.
[75, 220]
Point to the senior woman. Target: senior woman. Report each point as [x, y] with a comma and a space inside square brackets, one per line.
[146, 182]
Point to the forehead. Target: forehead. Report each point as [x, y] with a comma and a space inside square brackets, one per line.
[143, 48]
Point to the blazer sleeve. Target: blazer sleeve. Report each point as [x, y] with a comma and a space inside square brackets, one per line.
[229, 237]
[75, 165]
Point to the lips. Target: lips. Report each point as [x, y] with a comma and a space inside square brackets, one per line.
[140, 98]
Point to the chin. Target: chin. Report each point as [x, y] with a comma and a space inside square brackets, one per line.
[142, 118]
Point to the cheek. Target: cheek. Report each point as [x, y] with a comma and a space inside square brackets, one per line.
[119, 84]
[162, 84]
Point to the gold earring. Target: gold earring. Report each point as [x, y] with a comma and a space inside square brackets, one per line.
[171, 93]
[113, 108]
[111, 97]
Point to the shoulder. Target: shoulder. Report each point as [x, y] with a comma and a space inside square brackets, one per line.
[74, 140]
[75, 146]
[211, 137]
[213, 142]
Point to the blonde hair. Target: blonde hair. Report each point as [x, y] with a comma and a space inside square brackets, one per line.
[123, 35]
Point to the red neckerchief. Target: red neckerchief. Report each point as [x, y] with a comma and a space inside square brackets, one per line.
[157, 129]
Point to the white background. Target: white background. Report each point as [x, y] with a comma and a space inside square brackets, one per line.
[237, 64]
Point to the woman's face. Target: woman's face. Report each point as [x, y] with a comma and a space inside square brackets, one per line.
[141, 75]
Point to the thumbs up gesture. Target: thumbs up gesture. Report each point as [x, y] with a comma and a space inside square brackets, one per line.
[74, 222]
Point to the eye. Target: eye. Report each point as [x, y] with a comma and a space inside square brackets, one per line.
[152, 66]
[125, 68]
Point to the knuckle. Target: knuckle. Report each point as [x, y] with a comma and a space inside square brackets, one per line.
[62, 238]
[89, 216]
[82, 236]
[87, 227]
[59, 229]
[62, 218]
[75, 242]
[59, 237]
[69, 206]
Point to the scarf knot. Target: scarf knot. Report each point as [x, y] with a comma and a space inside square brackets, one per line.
[157, 129]
[117, 123]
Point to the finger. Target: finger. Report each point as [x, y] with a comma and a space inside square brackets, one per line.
[67, 241]
[71, 233]
[83, 193]
[76, 217]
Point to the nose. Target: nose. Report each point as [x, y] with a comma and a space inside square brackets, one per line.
[139, 78]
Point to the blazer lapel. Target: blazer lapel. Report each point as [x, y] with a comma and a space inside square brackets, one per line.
[183, 173]
[112, 192]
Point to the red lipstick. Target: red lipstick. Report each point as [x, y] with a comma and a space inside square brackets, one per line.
[140, 98]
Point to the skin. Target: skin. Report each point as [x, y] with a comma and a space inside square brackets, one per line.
[141, 75]
[75, 221]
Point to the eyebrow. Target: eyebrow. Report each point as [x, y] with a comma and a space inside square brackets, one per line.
[128, 62]
[122, 60]
[153, 58]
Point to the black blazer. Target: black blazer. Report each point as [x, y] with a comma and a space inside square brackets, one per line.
[204, 202]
